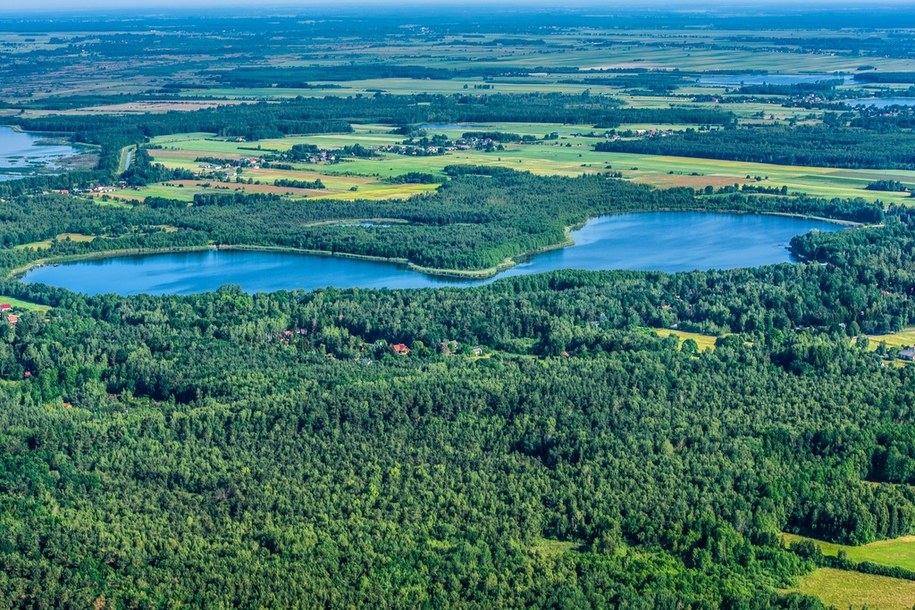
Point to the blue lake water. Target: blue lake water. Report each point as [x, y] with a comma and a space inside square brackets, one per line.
[650, 241]
[734, 80]
[883, 102]
[22, 153]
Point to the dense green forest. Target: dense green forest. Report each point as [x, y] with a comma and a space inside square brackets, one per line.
[822, 145]
[273, 451]
[538, 442]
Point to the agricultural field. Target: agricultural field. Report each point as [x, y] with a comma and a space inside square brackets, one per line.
[570, 155]
[842, 589]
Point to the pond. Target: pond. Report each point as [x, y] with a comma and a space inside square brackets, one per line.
[650, 241]
[22, 153]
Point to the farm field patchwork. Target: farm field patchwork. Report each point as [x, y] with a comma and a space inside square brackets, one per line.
[570, 155]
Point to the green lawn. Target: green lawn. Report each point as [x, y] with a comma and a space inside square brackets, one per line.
[19, 304]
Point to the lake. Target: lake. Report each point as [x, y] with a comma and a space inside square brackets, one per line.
[735, 80]
[649, 241]
[884, 102]
[22, 153]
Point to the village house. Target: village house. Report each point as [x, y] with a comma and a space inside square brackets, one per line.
[5, 307]
[400, 348]
[907, 353]
[12, 319]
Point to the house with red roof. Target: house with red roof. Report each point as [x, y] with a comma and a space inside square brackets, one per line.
[400, 348]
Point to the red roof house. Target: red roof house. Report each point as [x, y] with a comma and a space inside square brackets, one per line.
[5, 306]
[400, 348]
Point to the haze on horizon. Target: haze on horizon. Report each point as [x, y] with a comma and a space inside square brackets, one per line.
[69, 6]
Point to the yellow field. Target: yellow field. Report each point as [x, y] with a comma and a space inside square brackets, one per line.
[904, 338]
[705, 342]
[46, 243]
[844, 589]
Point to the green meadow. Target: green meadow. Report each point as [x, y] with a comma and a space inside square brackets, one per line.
[898, 552]
[842, 589]
[20, 305]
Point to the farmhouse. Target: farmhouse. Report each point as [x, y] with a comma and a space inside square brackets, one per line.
[907, 354]
[400, 348]
[12, 319]
[5, 306]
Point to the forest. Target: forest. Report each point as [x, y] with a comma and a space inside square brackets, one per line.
[146, 437]
[619, 440]
[822, 145]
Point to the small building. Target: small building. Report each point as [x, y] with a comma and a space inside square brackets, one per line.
[907, 354]
[12, 319]
[400, 348]
[5, 306]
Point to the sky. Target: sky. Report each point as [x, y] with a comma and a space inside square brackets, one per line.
[51, 6]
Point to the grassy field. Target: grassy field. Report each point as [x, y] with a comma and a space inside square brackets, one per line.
[19, 304]
[904, 338]
[705, 342]
[548, 548]
[46, 243]
[898, 552]
[570, 155]
[852, 589]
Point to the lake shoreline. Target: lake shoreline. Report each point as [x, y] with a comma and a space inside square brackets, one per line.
[458, 274]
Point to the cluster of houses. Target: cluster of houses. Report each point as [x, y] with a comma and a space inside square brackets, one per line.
[412, 150]
[7, 310]
[317, 156]
[99, 189]
[447, 347]
[214, 164]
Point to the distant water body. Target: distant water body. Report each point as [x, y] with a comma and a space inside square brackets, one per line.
[651, 241]
[884, 102]
[737, 79]
[22, 153]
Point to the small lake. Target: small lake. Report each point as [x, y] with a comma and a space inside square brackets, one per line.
[650, 241]
[883, 102]
[735, 80]
[22, 153]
